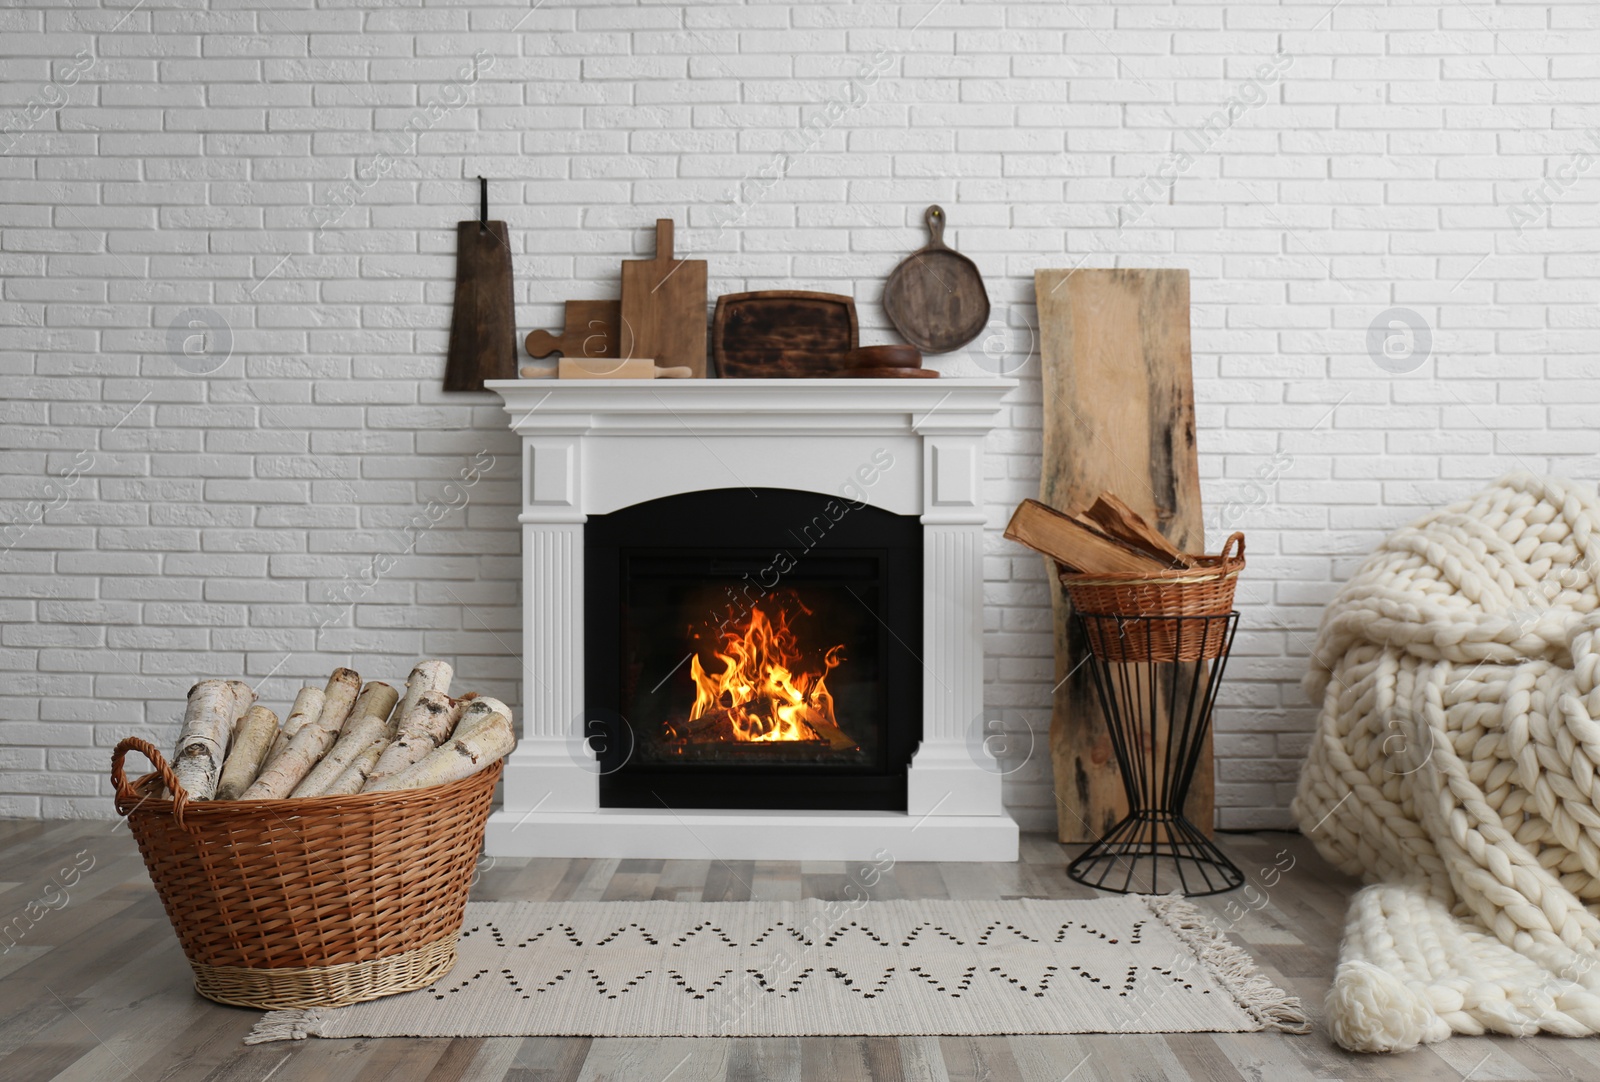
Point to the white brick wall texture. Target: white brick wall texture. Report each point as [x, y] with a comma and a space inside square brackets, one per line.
[227, 236]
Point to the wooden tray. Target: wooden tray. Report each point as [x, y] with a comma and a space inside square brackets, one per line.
[779, 333]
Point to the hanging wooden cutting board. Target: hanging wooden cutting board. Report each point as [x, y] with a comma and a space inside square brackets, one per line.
[483, 321]
[935, 297]
[664, 307]
[1118, 417]
[593, 330]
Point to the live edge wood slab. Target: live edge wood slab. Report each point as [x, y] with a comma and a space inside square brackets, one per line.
[1118, 417]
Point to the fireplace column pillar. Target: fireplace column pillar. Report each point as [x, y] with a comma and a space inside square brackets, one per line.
[539, 774]
[951, 774]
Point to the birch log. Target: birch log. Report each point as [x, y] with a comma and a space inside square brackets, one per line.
[249, 751]
[429, 723]
[307, 706]
[244, 697]
[203, 744]
[431, 675]
[280, 776]
[479, 710]
[377, 700]
[356, 774]
[489, 738]
[357, 737]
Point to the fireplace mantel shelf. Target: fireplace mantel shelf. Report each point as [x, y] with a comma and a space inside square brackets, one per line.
[912, 447]
[753, 405]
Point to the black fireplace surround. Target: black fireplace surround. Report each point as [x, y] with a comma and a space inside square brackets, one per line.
[836, 584]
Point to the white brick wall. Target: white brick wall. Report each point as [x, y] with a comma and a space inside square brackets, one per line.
[257, 164]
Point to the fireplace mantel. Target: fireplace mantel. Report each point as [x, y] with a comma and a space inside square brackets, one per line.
[595, 446]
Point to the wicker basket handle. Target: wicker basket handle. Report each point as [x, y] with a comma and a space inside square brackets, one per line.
[125, 790]
[1228, 547]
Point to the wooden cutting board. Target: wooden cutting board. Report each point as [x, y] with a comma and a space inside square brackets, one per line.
[483, 321]
[664, 306]
[774, 333]
[592, 330]
[935, 297]
[1118, 417]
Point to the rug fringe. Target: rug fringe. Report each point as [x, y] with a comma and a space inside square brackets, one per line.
[294, 1025]
[1230, 964]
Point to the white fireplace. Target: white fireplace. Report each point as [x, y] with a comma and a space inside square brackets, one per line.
[593, 447]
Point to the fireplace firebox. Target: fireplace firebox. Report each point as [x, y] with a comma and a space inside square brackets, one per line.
[751, 648]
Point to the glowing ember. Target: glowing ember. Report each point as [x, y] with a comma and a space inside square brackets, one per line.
[762, 694]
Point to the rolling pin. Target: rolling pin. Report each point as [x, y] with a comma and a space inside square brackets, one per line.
[607, 368]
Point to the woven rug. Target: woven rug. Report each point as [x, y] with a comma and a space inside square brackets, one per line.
[815, 968]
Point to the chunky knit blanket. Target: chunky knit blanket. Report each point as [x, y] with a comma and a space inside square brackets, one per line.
[1456, 767]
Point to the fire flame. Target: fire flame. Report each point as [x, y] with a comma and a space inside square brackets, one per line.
[763, 695]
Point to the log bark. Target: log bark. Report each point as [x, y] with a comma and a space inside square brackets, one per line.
[354, 778]
[244, 697]
[430, 722]
[338, 698]
[431, 675]
[249, 751]
[307, 706]
[477, 746]
[280, 776]
[377, 700]
[364, 731]
[203, 744]
[481, 709]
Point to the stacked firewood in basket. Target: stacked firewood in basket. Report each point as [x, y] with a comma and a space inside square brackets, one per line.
[342, 739]
[1107, 537]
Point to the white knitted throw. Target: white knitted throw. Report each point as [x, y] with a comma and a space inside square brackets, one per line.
[1456, 766]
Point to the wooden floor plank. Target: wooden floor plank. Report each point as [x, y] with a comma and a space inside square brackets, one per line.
[110, 955]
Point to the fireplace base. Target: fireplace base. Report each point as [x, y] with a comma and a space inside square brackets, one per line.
[627, 833]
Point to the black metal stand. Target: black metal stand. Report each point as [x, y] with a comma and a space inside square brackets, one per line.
[1158, 709]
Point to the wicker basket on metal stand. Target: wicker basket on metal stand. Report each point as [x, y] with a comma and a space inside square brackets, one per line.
[1205, 589]
[311, 902]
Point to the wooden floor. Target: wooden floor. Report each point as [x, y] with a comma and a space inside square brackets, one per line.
[97, 990]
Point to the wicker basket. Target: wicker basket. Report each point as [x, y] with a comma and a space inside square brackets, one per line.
[1203, 590]
[313, 902]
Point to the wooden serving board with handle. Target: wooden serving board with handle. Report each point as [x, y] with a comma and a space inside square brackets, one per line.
[1118, 417]
[664, 307]
[936, 297]
[777, 333]
[594, 329]
[483, 319]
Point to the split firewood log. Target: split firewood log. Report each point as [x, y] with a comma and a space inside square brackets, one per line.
[484, 735]
[279, 777]
[430, 722]
[836, 737]
[307, 707]
[367, 729]
[431, 675]
[249, 751]
[203, 743]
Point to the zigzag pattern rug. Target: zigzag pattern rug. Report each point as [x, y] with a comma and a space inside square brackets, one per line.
[816, 968]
